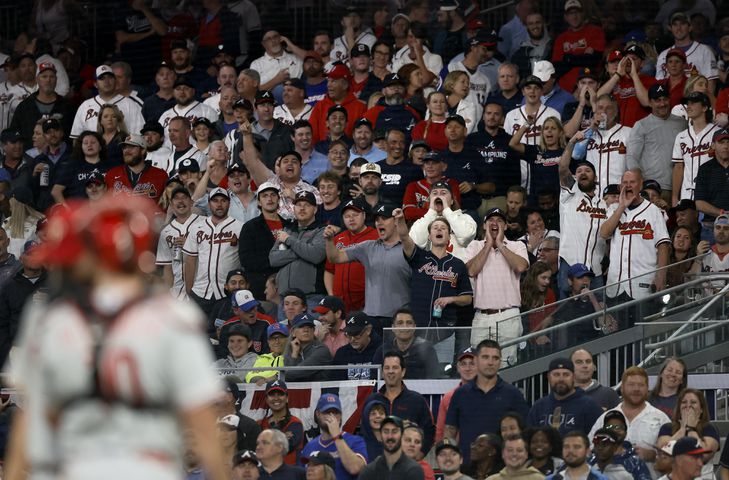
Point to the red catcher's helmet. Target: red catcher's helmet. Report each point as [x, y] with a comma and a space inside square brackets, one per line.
[119, 230]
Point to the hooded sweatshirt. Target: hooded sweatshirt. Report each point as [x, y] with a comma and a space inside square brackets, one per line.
[526, 473]
[374, 447]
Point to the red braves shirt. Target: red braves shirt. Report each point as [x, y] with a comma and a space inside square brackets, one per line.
[150, 183]
[415, 202]
[575, 43]
[349, 278]
[630, 108]
[433, 133]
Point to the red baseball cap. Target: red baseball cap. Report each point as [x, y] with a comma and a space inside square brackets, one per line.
[339, 71]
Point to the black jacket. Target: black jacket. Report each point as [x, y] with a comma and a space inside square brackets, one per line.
[254, 245]
[279, 142]
[27, 114]
[13, 298]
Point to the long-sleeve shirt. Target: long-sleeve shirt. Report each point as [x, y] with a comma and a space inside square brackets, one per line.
[301, 259]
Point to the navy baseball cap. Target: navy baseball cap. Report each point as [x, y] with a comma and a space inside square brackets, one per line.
[657, 91]
[277, 386]
[384, 210]
[578, 163]
[719, 135]
[532, 80]
[561, 363]
[433, 157]
[469, 352]
[686, 204]
[496, 211]
[305, 196]
[697, 97]
[357, 203]
[296, 83]
[321, 457]
[10, 135]
[652, 185]
[611, 189]
[152, 126]
[264, 96]
[240, 329]
[246, 456]
[188, 165]
[395, 420]
[440, 184]
[360, 50]
[356, 322]
[391, 79]
[447, 443]
[455, 118]
[277, 329]
[302, 320]
[329, 401]
[688, 446]
[579, 270]
[328, 304]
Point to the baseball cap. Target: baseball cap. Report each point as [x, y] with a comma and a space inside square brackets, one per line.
[238, 167]
[244, 300]
[245, 456]
[605, 435]
[329, 401]
[634, 49]
[579, 163]
[362, 122]
[188, 165]
[398, 16]
[614, 415]
[688, 446]
[722, 219]
[337, 108]
[615, 56]
[611, 189]
[302, 320]
[356, 323]
[162, 65]
[135, 140]
[102, 70]
[294, 153]
[264, 96]
[202, 121]
[320, 457]
[455, 118]
[572, 4]
[676, 52]
[175, 44]
[240, 329]
[652, 185]
[586, 73]
[440, 184]
[296, 83]
[235, 271]
[218, 191]
[719, 135]
[339, 71]
[277, 329]
[475, 24]
[686, 204]
[267, 186]
[696, 97]
[468, 352]
[657, 91]
[295, 292]
[391, 79]
[532, 80]
[370, 168]
[448, 5]
[486, 38]
[10, 135]
[45, 66]
[561, 363]
[152, 126]
[277, 386]
[384, 209]
[543, 70]
[184, 81]
[243, 103]
[394, 419]
[315, 55]
[231, 420]
[360, 50]
[668, 448]
[305, 196]
[22, 194]
[579, 270]
[330, 303]
[447, 443]
[97, 177]
[420, 144]
[678, 16]
[51, 124]
[496, 211]
[357, 203]
[177, 190]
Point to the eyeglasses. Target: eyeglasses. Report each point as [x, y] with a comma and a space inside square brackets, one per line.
[615, 427]
[354, 335]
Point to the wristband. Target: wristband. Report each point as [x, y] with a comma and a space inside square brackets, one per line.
[339, 437]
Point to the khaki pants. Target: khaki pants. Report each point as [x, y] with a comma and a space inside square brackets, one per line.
[502, 326]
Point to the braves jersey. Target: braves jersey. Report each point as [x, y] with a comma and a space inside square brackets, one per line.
[693, 149]
[700, 60]
[633, 252]
[170, 164]
[151, 182]
[216, 249]
[283, 114]
[170, 254]
[191, 112]
[87, 115]
[10, 98]
[715, 262]
[607, 150]
[580, 217]
[518, 117]
[106, 401]
[480, 84]
[340, 48]
[158, 157]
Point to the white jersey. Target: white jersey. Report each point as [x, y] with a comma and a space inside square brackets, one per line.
[700, 60]
[283, 114]
[216, 249]
[518, 117]
[87, 114]
[480, 83]
[580, 217]
[192, 112]
[433, 61]
[151, 362]
[340, 48]
[170, 254]
[693, 149]
[268, 67]
[158, 157]
[10, 98]
[169, 164]
[213, 102]
[633, 249]
[607, 151]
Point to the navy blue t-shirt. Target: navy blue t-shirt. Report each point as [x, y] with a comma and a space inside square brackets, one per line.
[433, 278]
[395, 179]
[543, 169]
[501, 163]
[466, 166]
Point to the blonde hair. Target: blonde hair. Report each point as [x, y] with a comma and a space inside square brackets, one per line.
[451, 80]
[692, 81]
[562, 141]
[20, 213]
[121, 127]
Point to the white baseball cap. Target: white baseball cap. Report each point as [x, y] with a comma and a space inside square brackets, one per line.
[244, 300]
[543, 70]
[103, 70]
[267, 186]
[218, 191]
[370, 168]
[229, 420]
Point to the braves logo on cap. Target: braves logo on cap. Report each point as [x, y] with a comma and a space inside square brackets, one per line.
[660, 89]
[275, 383]
[351, 320]
[331, 398]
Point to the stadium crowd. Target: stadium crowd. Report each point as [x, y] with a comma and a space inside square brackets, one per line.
[409, 189]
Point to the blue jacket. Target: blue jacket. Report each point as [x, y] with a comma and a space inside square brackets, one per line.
[578, 412]
[374, 447]
[593, 475]
[410, 405]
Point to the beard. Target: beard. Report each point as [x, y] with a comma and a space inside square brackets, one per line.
[395, 99]
[134, 161]
[392, 448]
[587, 188]
[574, 463]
